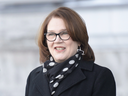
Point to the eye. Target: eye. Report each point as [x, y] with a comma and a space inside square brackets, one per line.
[50, 34]
[64, 33]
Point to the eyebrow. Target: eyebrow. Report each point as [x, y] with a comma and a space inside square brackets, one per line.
[59, 31]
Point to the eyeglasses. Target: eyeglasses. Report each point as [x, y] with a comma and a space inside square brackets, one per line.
[51, 36]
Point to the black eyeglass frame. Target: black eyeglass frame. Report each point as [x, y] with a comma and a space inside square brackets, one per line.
[56, 37]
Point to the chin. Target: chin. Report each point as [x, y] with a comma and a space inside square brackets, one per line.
[59, 60]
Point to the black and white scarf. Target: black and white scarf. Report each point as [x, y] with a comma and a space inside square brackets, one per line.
[56, 72]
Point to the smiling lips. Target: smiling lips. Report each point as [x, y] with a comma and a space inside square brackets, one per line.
[60, 48]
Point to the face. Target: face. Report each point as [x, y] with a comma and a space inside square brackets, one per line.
[60, 50]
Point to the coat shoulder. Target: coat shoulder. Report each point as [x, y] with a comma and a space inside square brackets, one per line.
[35, 71]
[97, 67]
[102, 70]
[93, 67]
[97, 72]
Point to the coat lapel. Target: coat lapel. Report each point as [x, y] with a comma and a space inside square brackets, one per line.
[42, 84]
[75, 77]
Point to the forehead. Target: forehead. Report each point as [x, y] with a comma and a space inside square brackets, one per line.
[56, 24]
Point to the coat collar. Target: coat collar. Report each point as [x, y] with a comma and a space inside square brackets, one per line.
[87, 65]
[42, 83]
[74, 78]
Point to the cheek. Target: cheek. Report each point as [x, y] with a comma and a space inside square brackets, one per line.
[73, 46]
[49, 44]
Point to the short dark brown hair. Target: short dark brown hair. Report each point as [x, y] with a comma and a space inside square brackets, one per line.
[75, 27]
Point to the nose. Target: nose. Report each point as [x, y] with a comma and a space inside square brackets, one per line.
[58, 39]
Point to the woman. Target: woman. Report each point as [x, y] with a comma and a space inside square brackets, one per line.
[69, 68]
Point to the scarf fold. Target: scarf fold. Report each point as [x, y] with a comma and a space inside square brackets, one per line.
[56, 72]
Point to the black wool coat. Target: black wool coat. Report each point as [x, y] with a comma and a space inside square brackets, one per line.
[88, 79]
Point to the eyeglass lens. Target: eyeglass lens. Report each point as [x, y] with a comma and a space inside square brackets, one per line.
[51, 36]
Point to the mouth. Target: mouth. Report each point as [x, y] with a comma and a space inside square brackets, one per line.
[60, 48]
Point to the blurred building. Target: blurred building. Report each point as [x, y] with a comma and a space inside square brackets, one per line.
[20, 20]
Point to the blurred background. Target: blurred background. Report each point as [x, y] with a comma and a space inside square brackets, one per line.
[20, 20]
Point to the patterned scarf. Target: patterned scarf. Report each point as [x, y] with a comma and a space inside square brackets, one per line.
[56, 72]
